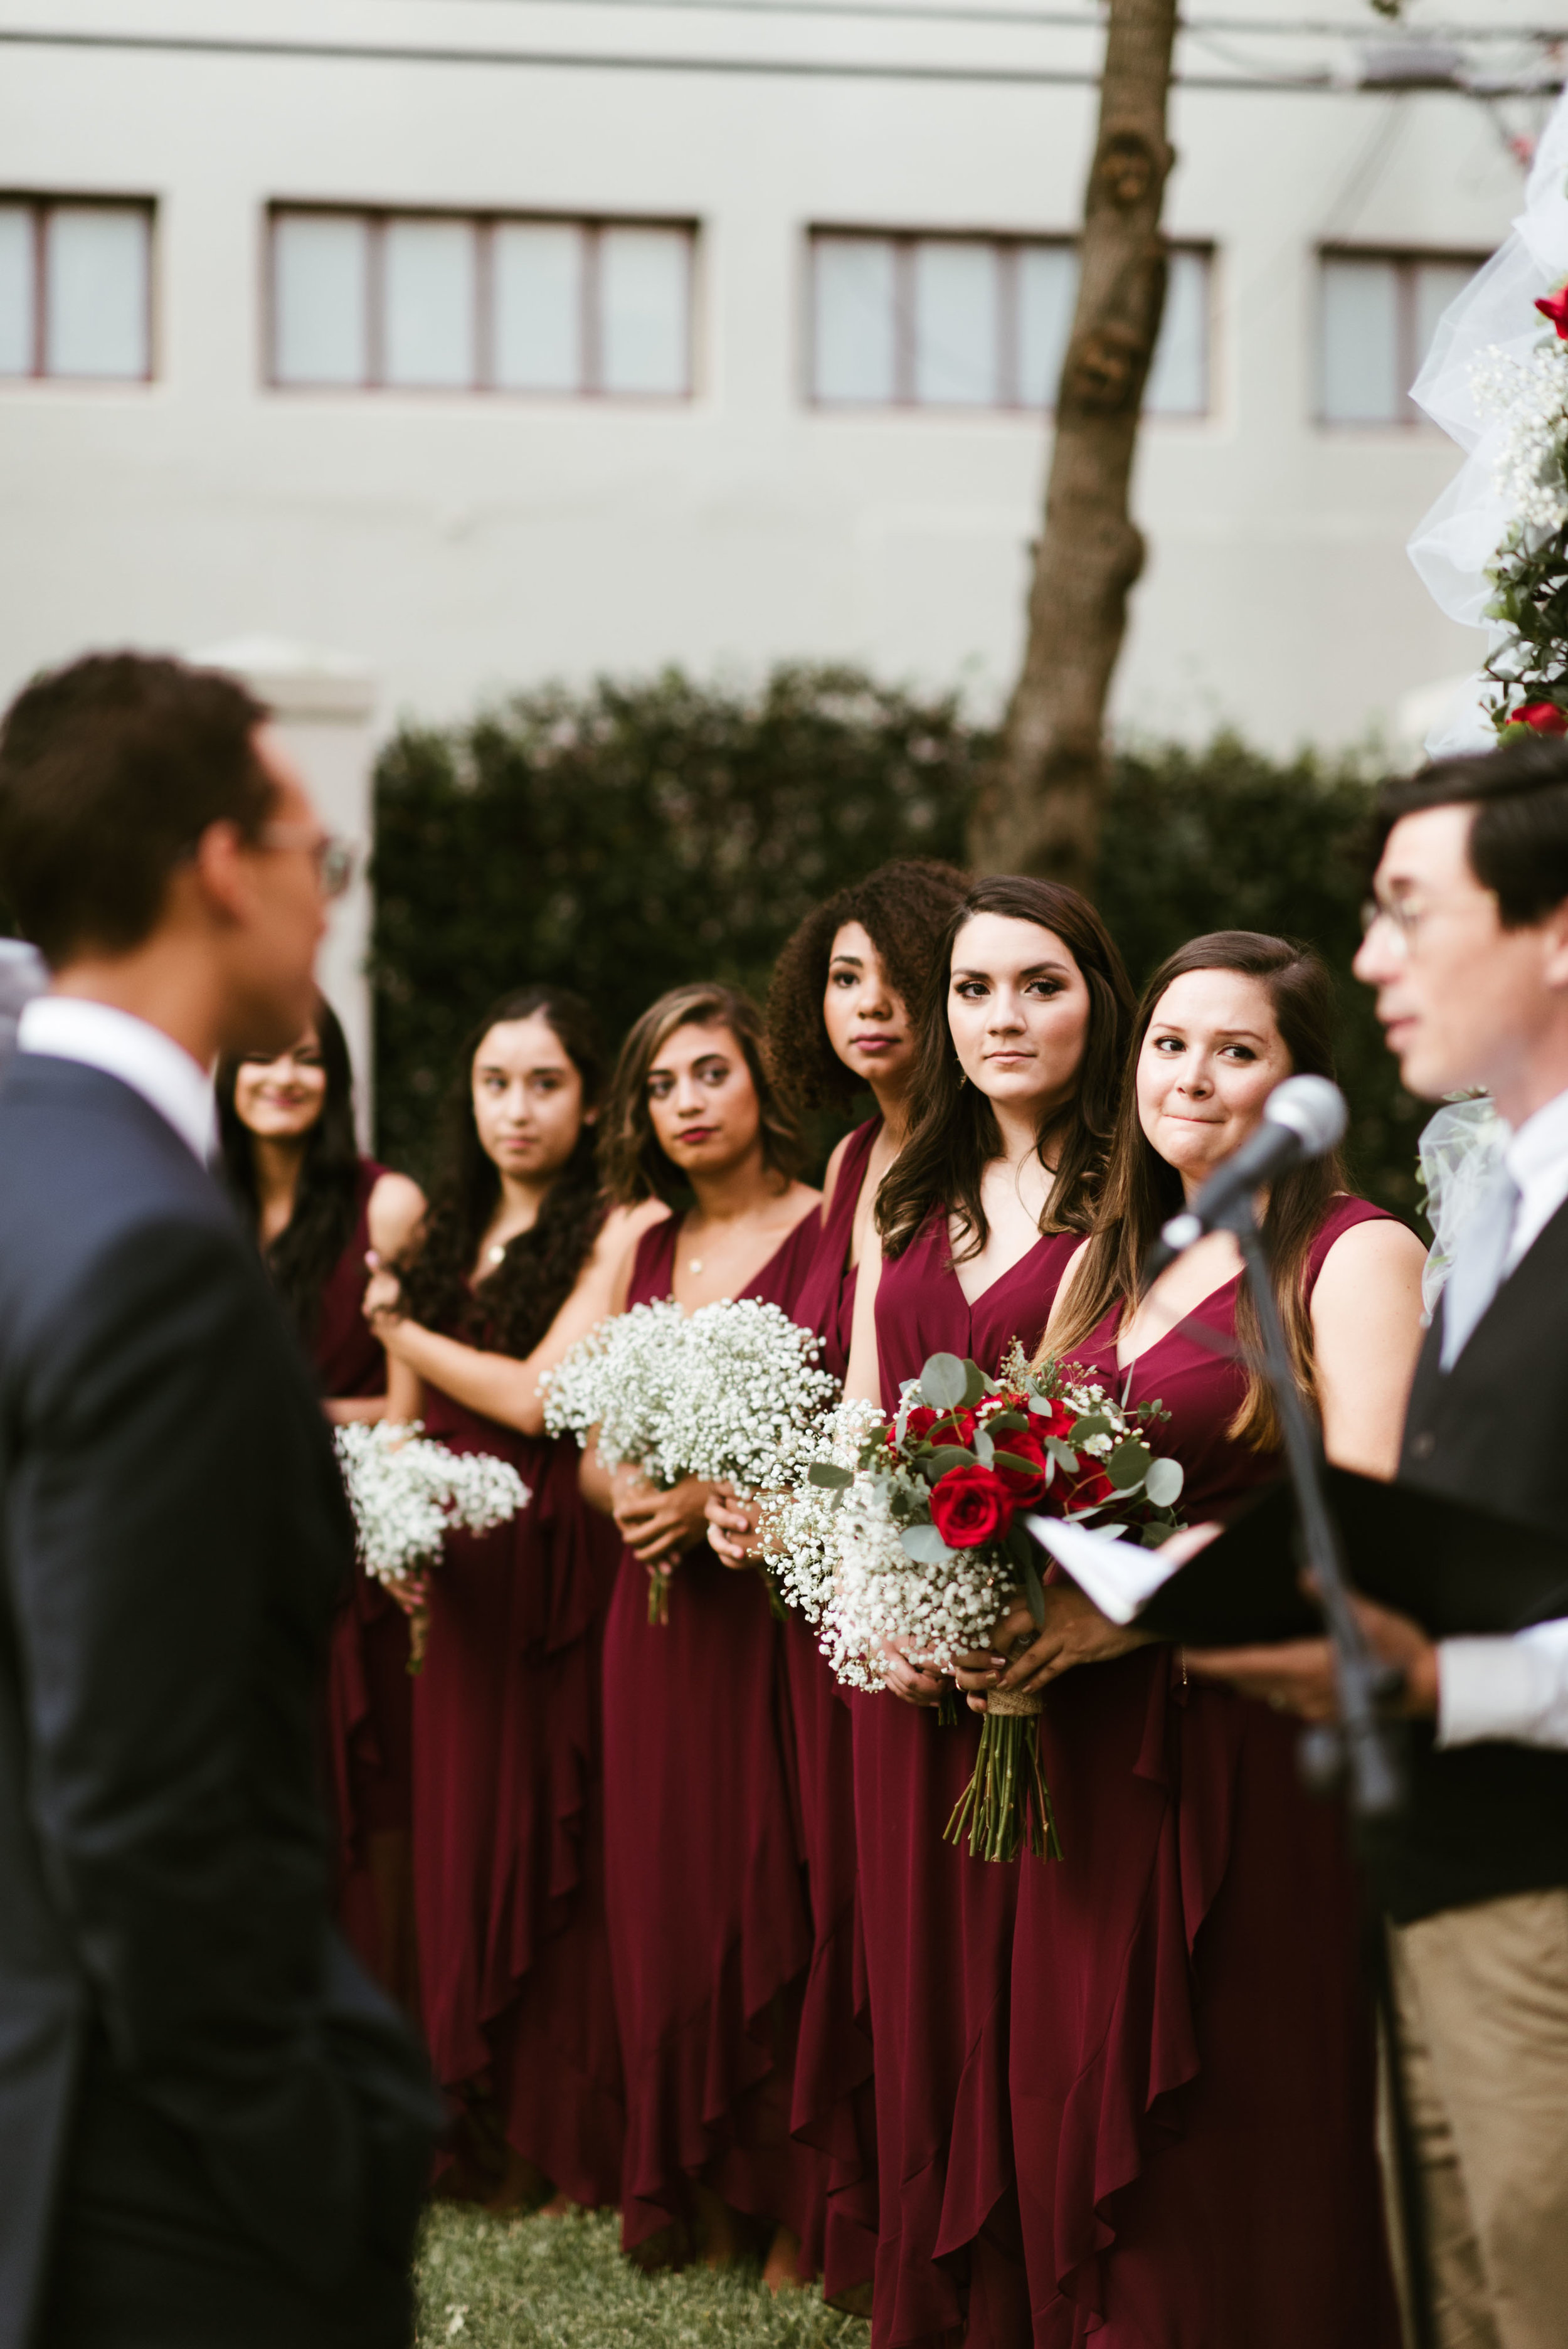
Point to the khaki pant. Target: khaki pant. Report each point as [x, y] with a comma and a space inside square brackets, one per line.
[1482, 1995]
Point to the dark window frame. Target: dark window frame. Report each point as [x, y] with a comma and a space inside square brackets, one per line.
[591, 227]
[41, 207]
[1406, 259]
[1009, 245]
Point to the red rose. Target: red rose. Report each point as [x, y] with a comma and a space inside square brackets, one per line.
[1024, 1483]
[1555, 308]
[1092, 1487]
[971, 1506]
[939, 1427]
[1543, 717]
[1060, 1422]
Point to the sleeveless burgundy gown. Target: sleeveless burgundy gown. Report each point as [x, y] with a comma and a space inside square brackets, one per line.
[1192, 2055]
[508, 1874]
[834, 2105]
[938, 1926]
[368, 1712]
[710, 1927]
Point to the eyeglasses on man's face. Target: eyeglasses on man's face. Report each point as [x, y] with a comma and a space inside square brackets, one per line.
[335, 859]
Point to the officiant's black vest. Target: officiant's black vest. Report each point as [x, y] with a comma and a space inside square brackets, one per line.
[1488, 1820]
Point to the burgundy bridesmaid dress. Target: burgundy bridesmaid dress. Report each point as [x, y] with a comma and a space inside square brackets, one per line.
[710, 1927]
[368, 1712]
[834, 2105]
[1192, 2057]
[938, 1925]
[508, 1874]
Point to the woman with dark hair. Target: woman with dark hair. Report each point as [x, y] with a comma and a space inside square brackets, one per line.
[711, 1936]
[514, 1264]
[1191, 2060]
[841, 1022]
[318, 1209]
[1015, 1101]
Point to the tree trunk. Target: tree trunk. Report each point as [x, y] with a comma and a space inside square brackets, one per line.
[1038, 810]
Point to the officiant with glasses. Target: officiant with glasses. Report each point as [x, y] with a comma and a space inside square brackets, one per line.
[1467, 946]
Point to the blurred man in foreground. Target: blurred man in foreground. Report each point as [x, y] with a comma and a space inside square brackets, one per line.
[213, 2131]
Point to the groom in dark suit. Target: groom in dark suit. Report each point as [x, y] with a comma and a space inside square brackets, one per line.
[213, 2130]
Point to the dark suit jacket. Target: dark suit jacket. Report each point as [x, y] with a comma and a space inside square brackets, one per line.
[173, 1536]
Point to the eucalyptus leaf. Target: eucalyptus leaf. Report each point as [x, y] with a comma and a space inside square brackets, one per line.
[975, 1384]
[1062, 1454]
[942, 1457]
[944, 1382]
[1164, 1482]
[1128, 1463]
[984, 1450]
[1016, 1462]
[1093, 1423]
[924, 1545]
[829, 1473]
[1006, 1423]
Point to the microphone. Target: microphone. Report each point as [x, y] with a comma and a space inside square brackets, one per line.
[1304, 1118]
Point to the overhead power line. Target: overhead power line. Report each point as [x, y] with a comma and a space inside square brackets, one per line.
[214, 44]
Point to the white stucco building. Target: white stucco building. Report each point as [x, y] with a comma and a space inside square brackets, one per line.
[486, 340]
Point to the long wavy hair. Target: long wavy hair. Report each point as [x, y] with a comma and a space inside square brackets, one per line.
[509, 1310]
[953, 1135]
[634, 1165]
[904, 908]
[304, 1255]
[1143, 1192]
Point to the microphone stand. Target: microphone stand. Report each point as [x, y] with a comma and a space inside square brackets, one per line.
[1362, 1746]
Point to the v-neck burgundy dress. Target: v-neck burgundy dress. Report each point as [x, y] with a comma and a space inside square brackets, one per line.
[834, 2103]
[1191, 2058]
[710, 1927]
[938, 1925]
[368, 1710]
[508, 1817]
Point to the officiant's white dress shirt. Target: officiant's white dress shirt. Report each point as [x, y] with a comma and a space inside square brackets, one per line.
[71, 1027]
[1516, 1689]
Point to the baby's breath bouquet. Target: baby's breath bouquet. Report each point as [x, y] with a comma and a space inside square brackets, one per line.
[408, 1493]
[729, 1393]
[913, 1531]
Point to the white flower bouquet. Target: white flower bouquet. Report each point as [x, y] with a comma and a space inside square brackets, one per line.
[731, 1393]
[407, 1493]
[914, 1532]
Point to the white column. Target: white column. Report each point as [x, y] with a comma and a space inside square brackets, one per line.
[324, 705]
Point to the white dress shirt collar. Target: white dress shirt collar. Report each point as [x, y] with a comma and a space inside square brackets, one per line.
[72, 1028]
[1537, 1157]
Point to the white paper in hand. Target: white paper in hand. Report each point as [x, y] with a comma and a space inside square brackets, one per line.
[1120, 1577]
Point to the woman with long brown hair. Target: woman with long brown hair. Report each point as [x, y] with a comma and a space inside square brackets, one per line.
[318, 1209]
[840, 1023]
[710, 1935]
[1192, 2063]
[514, 1263]
[1015, 1100]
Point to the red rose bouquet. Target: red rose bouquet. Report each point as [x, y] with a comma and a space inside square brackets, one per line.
[923, 1540]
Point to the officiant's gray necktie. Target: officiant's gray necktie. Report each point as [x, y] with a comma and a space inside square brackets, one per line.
[1478, 1260]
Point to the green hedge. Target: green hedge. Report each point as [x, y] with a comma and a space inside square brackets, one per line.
[636, 835]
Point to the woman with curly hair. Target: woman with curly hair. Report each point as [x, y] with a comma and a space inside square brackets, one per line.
[514, 1266]
[841, 1023]
[291, 1163]
[711, 1936]
[1016, 1092]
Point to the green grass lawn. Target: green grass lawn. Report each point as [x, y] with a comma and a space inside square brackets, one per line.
[561, 2283]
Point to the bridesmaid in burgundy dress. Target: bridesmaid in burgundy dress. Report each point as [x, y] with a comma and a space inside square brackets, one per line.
[710, 1932]
[317, 1209]
[1016, 1089]
[1193, 2062]
[838, 1024]
[507, 1825]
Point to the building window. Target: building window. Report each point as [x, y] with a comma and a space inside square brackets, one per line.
[979, 322]
[1379, 312]
[75, 289]
[431, 302]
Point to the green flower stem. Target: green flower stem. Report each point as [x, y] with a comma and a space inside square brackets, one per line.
[1006, 1803]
